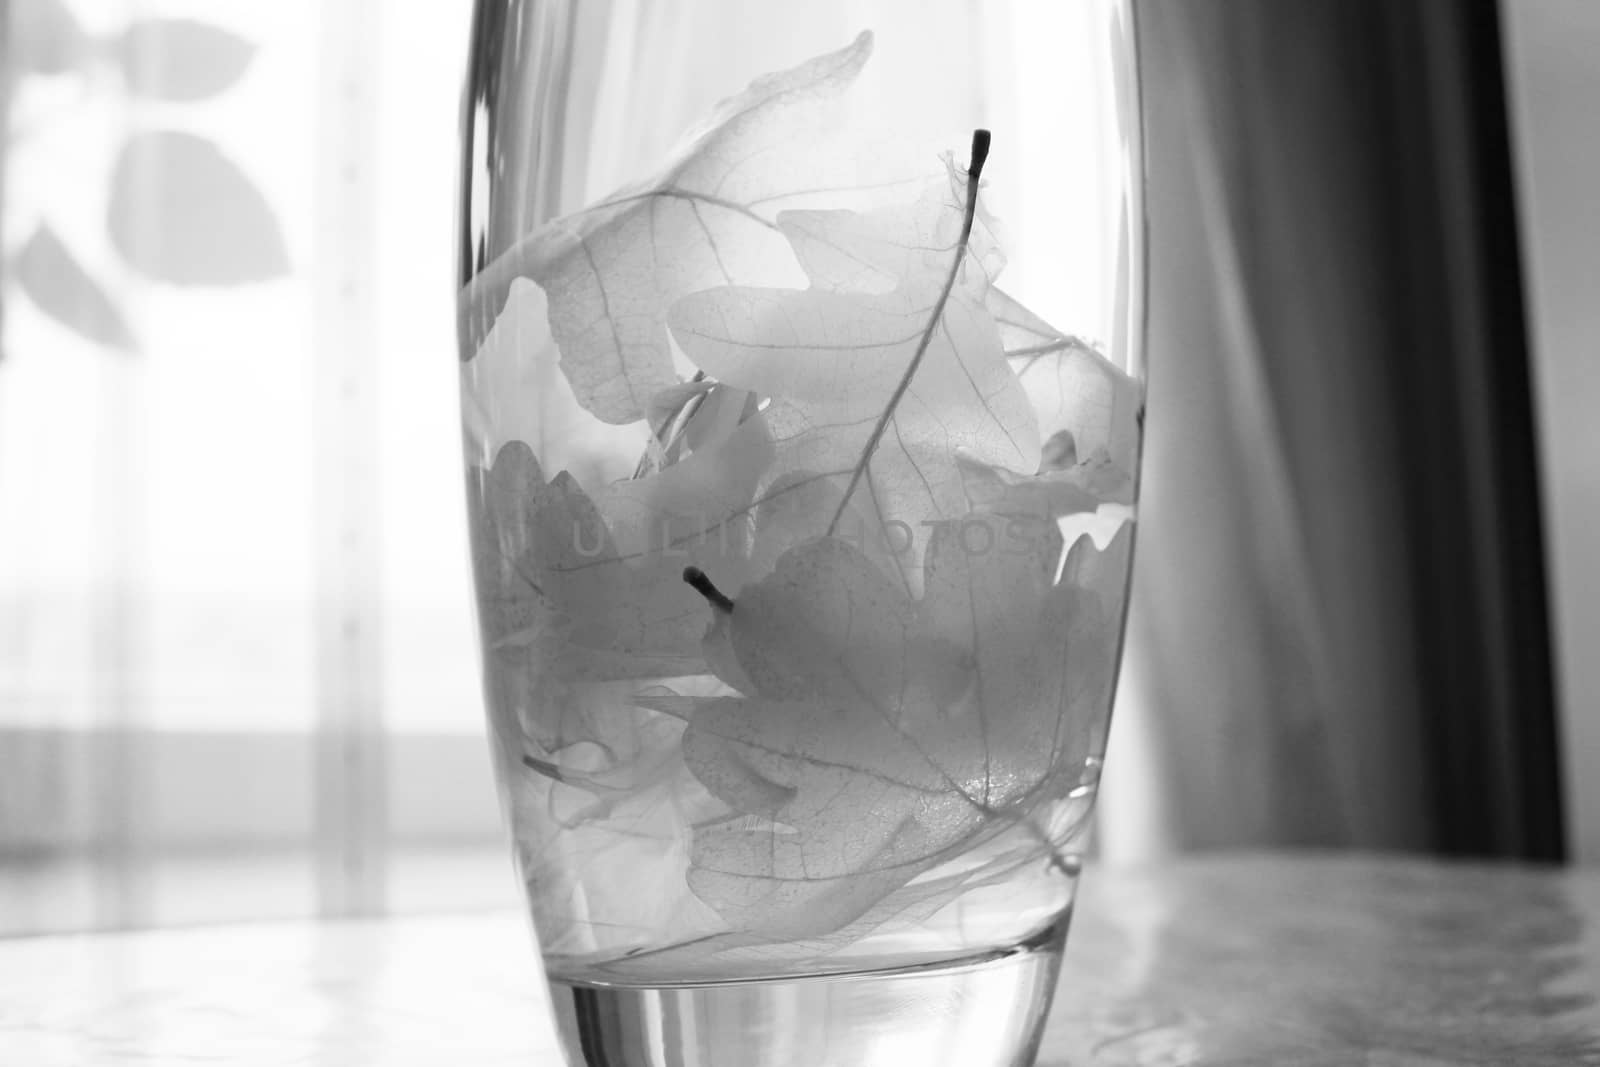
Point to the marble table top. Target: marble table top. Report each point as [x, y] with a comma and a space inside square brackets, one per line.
[1238, 960]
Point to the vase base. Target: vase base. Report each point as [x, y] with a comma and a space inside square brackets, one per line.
[984, 1012]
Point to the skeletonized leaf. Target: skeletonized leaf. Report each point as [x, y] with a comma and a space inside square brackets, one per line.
[1083, 395]
[877, 711]
[613, 269]
[904, 247]
[690, 512]
[514, 391]
[181, 59]
[880, 736]
[1102, 572]
[184, 213]
[1089, 409]
[1019, 327]
[1035, 501]
[62, 289]
[835, 360]
[718, 416]
[591, 588]
[915, 903]
[567, 800]
[555, 593]
[504, 398]
[1039, 652]
[826, 641]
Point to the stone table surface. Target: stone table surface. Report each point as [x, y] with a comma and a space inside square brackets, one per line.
[1254, 959]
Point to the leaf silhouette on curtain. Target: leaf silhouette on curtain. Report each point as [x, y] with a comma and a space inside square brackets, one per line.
[184, 213]
[180, 211]
[63, 290]
[45, 37]
[180, 59]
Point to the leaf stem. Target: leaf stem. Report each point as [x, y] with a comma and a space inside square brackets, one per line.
[704, 586]
[980, 154]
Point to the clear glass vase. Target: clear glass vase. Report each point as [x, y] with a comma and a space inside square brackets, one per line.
[802, 400]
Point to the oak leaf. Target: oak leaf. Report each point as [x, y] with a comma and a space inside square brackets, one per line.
[840, 357]
[612, 270]
[878, 736]
[579, 588]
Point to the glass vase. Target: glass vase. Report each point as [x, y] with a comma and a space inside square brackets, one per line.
[802, 399]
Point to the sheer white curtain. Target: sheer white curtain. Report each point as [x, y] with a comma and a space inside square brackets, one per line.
[232, 550]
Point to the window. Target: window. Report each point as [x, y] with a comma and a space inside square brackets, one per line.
[232, 564]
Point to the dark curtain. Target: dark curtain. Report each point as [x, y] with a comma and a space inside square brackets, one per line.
[1339, 620]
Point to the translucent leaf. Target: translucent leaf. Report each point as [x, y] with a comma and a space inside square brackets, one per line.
[603, 771]
[567, 803]
[904, 247]
[1041, 654]
[915, 902]
[1102, 572]
[62, 289]
[880, 736]
[504, 400]
[180, 59]
[874, 712]
[556, 596]
[1020, 329]
[614, 269]
[1090, 411]
[1033, 501]
[691, 512]
[1080, 393]
[835, 362]
[591, 588]
[825, 642]
[182, 212]
[514, 391]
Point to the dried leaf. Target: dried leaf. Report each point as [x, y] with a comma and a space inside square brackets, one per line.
[826, 643]
[916, 903]
[514, 391]
[184, 213]
[591, 588]
[1080, 393]
[554, 592]
[834, 360]
[900, 247]
[1020, 329]
[181, 59]
[589, 816]
[62, 289]
[1103, 572]
[613, 269]
[878, 711]
[503, 398]
[879, 736]
[1089, 409]
[1034, 501]
[1041, 656]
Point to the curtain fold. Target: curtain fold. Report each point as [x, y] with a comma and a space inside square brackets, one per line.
[1309, 599]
